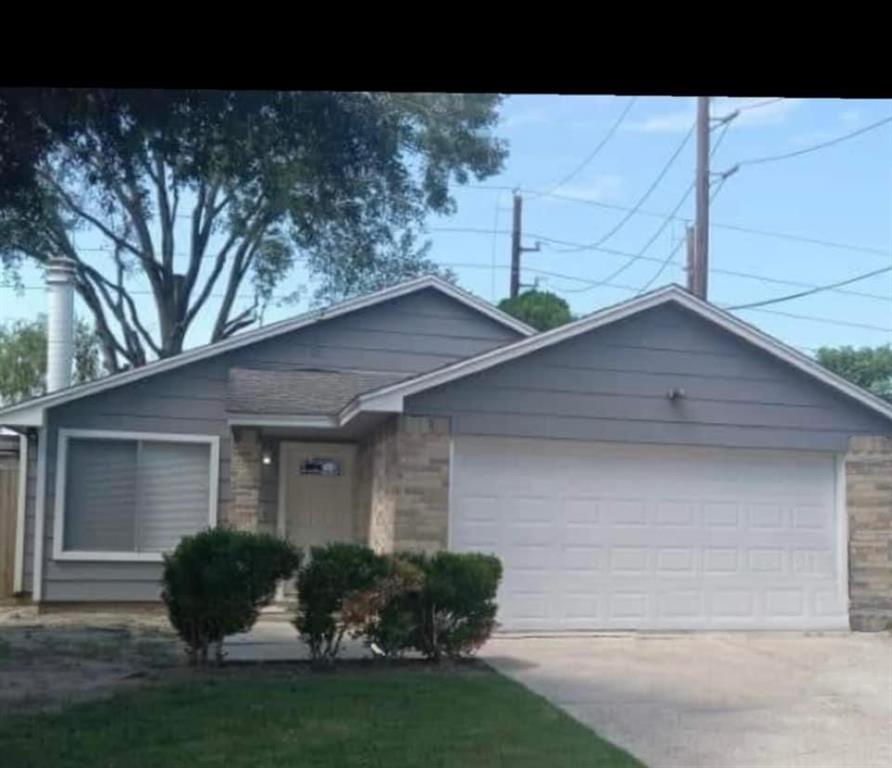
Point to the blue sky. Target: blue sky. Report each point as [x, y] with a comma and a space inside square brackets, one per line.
[841, 194]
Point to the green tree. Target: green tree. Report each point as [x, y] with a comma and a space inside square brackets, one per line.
[23, 358]
[541, 309]
[868, 367]
[204, 199]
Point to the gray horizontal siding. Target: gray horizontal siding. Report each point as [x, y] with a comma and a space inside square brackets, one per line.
[611, 384]
[30, 496]
[90, 590]
[408, 335]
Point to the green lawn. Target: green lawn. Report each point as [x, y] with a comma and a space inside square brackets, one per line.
[389, 718]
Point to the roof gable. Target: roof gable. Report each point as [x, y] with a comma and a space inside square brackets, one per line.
[30, 412]
[391, 397]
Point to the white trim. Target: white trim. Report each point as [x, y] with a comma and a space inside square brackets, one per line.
[281, 531]
[18, 579]
[392, 395]
[213, 441]
[31, 412]
[311, 420]
[842, 528]
[39, 516]
[27, 418]
[449, 494]
[280, 510]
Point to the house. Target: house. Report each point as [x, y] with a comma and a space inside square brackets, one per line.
[657, 464]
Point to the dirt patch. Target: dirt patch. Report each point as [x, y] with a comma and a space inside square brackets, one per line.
[51, 660]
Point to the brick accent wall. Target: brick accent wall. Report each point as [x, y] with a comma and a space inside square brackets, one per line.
[243, 511]
[403, 485]
[869, 503]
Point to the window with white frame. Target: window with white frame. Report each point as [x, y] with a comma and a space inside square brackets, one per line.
[132, 496]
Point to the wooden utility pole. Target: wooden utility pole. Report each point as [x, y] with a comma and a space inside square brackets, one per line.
[515, 245]
[691, 260]
[516, 248]
[701, 232]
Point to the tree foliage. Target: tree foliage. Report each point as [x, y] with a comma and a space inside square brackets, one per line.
[541, 309]
[868, 367]
[23, 358]
[216, 582]
[335, 590]
[203, 197]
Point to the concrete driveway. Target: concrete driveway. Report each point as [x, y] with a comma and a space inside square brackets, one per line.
[757, 700]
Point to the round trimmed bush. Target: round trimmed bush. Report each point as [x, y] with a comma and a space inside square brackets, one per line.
[216, 582]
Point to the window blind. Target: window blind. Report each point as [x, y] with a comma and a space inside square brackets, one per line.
[134, 495]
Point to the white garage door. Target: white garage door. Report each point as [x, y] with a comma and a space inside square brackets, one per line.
[614, 536]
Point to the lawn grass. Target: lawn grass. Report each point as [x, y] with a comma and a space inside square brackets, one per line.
[399, 717]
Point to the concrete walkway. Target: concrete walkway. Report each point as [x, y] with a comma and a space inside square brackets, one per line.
[274, 639]
[747, 700]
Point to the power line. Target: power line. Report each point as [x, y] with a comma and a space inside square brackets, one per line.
[759, 104]
[825, 320]
[715, 224]
[657, 260]
[632, 289]
[643, 199]
[534, 270]
[671, 216]
[595, 151]
[815, 290]
[816, 147]
[668, 220]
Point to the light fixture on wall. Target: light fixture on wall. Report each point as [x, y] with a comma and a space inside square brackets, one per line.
[266, 457]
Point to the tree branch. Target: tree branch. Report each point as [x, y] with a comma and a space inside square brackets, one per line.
[164, 213]
[211, 280]
[79, 211]
[125, 298]
[241, 262]
[242, 320]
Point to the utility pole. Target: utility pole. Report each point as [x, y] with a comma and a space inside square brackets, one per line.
[691, 260]
[701, 232]
[516, 248]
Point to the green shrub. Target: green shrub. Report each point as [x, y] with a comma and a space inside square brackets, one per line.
[391, 626]
[215, 582]
[440, 605]
[455, 610]
[337, 593]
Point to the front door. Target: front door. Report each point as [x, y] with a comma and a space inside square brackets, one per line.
[318, 492]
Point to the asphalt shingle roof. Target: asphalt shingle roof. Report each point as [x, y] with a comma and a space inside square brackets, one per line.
[268, 391]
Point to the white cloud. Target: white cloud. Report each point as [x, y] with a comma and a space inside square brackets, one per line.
[757, 111]
[676, 121]
[812, 137]
[525, 117]
[598, 189]
[681, 120]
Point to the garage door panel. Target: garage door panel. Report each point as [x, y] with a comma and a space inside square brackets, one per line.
[682, 603]
[677, 560]
[582, 511]
[625, 512]
[721, 560]
[721, 514]
[582, 557]
[732, 603]
[622, 536]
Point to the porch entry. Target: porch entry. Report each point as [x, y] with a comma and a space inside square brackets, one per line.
[317, 493]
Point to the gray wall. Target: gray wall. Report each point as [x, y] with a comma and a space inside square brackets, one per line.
[413, 333]
[30, 492]
[611, 384]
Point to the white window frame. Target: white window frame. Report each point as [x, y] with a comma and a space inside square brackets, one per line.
[97, 434]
